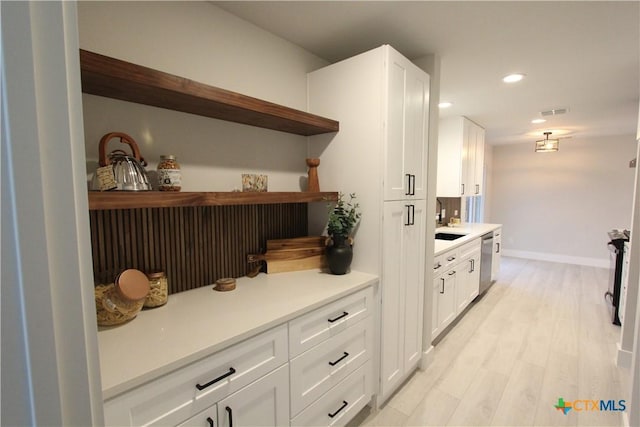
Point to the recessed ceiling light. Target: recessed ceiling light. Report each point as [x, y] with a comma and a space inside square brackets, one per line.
[512, 78]
[445, 104]
[538, 121]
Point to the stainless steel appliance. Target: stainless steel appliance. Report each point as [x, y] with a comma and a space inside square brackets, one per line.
[616, 256]
[486, 257]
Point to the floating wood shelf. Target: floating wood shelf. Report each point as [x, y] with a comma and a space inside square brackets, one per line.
[113, 78]
[160, 199]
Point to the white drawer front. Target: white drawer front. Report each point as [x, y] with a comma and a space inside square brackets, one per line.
[319, 325]
[450, 258]
[340, 404]
[470, 247]
[438, 264]
[174, 398]
[316, 371]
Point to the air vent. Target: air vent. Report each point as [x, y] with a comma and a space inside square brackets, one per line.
[554, 112]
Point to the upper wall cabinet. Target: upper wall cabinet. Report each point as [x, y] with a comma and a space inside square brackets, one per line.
[460, 158]
[113, 78]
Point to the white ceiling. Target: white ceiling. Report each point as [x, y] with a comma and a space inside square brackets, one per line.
[581, 55]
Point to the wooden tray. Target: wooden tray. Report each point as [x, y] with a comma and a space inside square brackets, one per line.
[300, 253]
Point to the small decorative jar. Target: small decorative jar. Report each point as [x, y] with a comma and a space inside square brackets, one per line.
[158, 290]
[169, 176]
[122, 300]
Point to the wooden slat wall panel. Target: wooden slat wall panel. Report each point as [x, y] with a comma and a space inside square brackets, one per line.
[194, 246]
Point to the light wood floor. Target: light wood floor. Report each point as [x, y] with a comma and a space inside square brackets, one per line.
[542, 331]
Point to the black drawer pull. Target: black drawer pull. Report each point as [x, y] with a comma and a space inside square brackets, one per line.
[335, 319]
[230, 416]
[437, 266]
[408, 192]
[339, 360]
[451, 258]
[451, 273]
[210, 421]
[344, 405]
[442, 291]
[215, 380]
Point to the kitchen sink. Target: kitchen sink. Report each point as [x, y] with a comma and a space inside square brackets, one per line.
[448, 236]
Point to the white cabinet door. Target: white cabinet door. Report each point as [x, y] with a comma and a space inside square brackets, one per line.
[393, 294]
[402, 290]
[460, 158]
[417, 128]
[462, 270]
[406, 129]
[444, 290]
[450, 144]
[473, 278]
[497, 253]
[467, 280]
[479, 160]
[468, 158]
[264, 402]
[413, 264]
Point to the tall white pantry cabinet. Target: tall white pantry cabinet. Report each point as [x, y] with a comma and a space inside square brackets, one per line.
[380, 153]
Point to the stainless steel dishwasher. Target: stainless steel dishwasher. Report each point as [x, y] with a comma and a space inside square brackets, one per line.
[486, 257]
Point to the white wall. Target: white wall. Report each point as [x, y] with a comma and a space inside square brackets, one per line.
[563, 203]
[199, 41]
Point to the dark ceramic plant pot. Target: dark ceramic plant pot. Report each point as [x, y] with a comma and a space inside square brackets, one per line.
[339, 254]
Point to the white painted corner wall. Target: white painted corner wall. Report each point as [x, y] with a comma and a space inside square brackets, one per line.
[561, 205]
[202, 42]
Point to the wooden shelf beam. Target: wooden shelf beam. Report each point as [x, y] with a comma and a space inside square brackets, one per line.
[160, 199]
[113, 78]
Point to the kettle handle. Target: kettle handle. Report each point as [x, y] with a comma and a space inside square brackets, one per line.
[125, 139]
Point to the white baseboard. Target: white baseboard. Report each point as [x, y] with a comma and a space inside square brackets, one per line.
[565, 259]
[427, 358]
[623, 358]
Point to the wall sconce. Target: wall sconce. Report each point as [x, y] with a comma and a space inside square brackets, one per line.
[547, 145]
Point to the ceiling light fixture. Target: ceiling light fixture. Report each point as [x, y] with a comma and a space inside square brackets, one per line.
[547, 145]
[538, 121]
[445, 104]
[512, 78]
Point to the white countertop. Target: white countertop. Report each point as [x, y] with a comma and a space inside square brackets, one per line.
[471, 231]
[199, 322]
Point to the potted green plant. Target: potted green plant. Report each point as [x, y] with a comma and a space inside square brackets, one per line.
[343, 217]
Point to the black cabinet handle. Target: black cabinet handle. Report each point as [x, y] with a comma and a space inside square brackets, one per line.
[437, 266]
[451, 273]
[451, 258]
[462, 192]
[215, 380]
[230, 412]
[498, 247]
[210, 421]
[344, 405]
[477, 188]
[345, 354]
[411, 215]
[442, 291]
[408, 192]
[473, 265]
[412, 181]
[335, 319]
